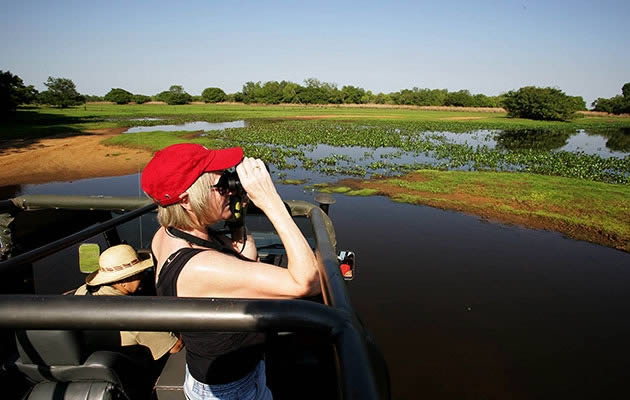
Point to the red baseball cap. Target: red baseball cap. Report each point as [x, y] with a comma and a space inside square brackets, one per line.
[175, 168]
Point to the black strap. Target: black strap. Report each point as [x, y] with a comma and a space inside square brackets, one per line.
[176, 262]
[216, 245]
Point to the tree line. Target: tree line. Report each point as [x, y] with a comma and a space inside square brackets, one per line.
[312, 92]
[526, 102]
[619, 104]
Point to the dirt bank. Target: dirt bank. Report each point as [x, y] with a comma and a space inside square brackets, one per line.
[68, 158]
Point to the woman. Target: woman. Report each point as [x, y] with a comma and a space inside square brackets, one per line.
[193, 261]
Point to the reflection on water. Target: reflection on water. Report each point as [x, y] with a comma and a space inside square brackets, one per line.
[610, 143]
[461, 307]
[619, 140]
[524, 139]
[189, 126]
[473, 139]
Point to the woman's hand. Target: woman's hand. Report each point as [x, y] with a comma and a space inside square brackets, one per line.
[256, 181]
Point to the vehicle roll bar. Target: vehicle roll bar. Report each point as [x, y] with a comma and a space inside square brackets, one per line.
[194, 314]
[57, 245]
[139, 206]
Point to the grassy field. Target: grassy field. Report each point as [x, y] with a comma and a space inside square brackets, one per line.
[46, 121]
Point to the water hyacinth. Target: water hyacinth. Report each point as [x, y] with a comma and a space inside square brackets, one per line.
[366, 147]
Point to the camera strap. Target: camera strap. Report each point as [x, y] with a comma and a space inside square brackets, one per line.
[215, 245]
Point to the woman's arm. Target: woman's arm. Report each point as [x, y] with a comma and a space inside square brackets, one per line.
[214, 274]
[302, 264]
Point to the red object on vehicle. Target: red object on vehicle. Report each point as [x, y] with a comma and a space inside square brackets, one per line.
[345, 270]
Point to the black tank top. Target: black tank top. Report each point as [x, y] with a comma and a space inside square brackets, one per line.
[212, 357]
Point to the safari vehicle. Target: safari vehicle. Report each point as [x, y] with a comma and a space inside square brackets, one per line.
[316, 347]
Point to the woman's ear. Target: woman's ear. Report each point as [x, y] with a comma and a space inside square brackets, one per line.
[184, 201]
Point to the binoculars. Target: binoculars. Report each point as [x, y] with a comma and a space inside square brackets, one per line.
[229, 182]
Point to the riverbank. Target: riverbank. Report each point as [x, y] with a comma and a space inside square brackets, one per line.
[68, 158]
[593, 211]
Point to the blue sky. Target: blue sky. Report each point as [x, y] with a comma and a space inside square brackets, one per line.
[489, 47]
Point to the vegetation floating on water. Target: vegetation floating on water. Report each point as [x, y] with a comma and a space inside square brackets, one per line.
[287, 143]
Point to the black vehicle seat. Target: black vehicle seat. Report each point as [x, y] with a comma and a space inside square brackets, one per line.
[62, 366]
[76, 391]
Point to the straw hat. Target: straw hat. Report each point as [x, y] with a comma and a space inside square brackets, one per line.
[117, 263]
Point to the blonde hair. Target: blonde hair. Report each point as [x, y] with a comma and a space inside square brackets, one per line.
[176, 216]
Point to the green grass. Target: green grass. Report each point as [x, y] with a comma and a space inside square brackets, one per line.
[41, 121]
[594, 211]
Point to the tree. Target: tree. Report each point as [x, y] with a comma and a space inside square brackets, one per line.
[118, 96]
[91, 97]
[174, 95]
[461, 98]
[352, 95]
[61, 93]
[289, 92]
[13, 92]
[615, 105]
[540, 103]
[316, 92]
[383, 98]
[140, 98]
[213, 95]
[251, 92]
[271, 93]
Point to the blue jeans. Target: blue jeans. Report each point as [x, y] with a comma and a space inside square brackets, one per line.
[252, 386]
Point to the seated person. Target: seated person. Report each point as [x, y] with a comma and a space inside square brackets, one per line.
[120, 273]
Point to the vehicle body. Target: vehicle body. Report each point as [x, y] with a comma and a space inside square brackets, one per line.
[316, 348]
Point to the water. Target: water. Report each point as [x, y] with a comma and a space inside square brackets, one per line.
[608, 144]
[463, 307]
[189, 126]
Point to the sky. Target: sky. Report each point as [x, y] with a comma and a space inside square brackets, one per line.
[489, 47]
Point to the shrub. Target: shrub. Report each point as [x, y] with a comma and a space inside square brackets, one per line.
[213, 95]
[118, 96]
[548, 104]
[140, 98]
[174, 95]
